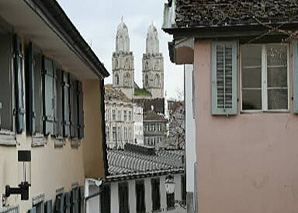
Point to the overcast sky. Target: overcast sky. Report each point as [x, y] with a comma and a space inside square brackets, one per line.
[97, 21]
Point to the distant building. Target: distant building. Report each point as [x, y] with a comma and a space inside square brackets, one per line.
[152, 71]
[119, 118]
[155, 129]
[142, 180]
[138, 124]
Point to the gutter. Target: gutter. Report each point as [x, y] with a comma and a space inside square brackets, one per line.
[130, 176]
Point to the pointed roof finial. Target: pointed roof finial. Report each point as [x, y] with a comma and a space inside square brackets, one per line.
[121, 18]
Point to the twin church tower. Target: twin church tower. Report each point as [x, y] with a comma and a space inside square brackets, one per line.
[152, 69]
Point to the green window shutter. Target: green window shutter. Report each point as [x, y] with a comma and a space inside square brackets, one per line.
[48, 96]
[59, 203]
[30, 105]
[82, 199]
[75, 200]
[224, 78]
[33, 210]
[81, 125]
[73, 107]
[295, 77]
[58, 126]
[67, 202]
[66, 105]
[19, 92]
[48, 207]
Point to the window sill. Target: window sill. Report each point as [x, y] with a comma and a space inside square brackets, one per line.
[264, 112]
[59, 142]
[38, 140]
[75, 143]
[7, 138]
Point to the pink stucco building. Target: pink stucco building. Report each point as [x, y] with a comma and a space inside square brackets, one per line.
[245, 101]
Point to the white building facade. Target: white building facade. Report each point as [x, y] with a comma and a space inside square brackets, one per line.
[138, 124]
[119, 119]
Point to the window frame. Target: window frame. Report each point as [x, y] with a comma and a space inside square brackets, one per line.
[264, 88]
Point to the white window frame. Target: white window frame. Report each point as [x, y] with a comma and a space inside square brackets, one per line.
[264, 82]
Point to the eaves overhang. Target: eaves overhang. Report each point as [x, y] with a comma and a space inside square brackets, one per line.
[45, 24]
[60, 21]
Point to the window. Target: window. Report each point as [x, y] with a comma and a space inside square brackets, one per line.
[75, 197]
[38, 204]
[119, 115]
[108, 132]
[140, 196]
[156, 80]
[158, 127]
[129, 116]
[183, 188]
[113, 115]
[224, 78]
[123, 197]
[119, 134]
[265, 77]
[152, 127]
[155, 183]
[125, 115]
[105, 199]
[146, 81]
[59, 203]
[116, 79]
[114, 133]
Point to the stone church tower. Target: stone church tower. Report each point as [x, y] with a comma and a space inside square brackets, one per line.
[123, 62]
[153, 65]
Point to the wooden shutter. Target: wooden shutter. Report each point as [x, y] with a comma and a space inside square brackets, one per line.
[66, 105]
[33, 210]
[295, 77]
[59, 204]
[74, 200]
[73, 107]
[123, 197]
[67, 202]
[48, 207]
[155, 186]
[82, 199]
[48, 96]
[58, 126]
[224, 78]
[19, 92]
[81, 125]
[105, 199]
[30, 99]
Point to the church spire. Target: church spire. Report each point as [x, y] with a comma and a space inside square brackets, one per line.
[122, 38]
[152, 41]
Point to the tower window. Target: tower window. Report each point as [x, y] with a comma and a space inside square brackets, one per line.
[146, 80]
[116, 79]
[156, 80]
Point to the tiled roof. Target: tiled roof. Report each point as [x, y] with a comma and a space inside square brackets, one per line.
[153, 116]
[129, 162]
[157, 103]
[115, 94]
[213, 13]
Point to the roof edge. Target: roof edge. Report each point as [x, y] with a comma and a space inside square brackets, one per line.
[53, 14]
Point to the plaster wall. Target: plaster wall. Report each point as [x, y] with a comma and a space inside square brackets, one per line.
[248, 162]
[51, 169]
[148, 197]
